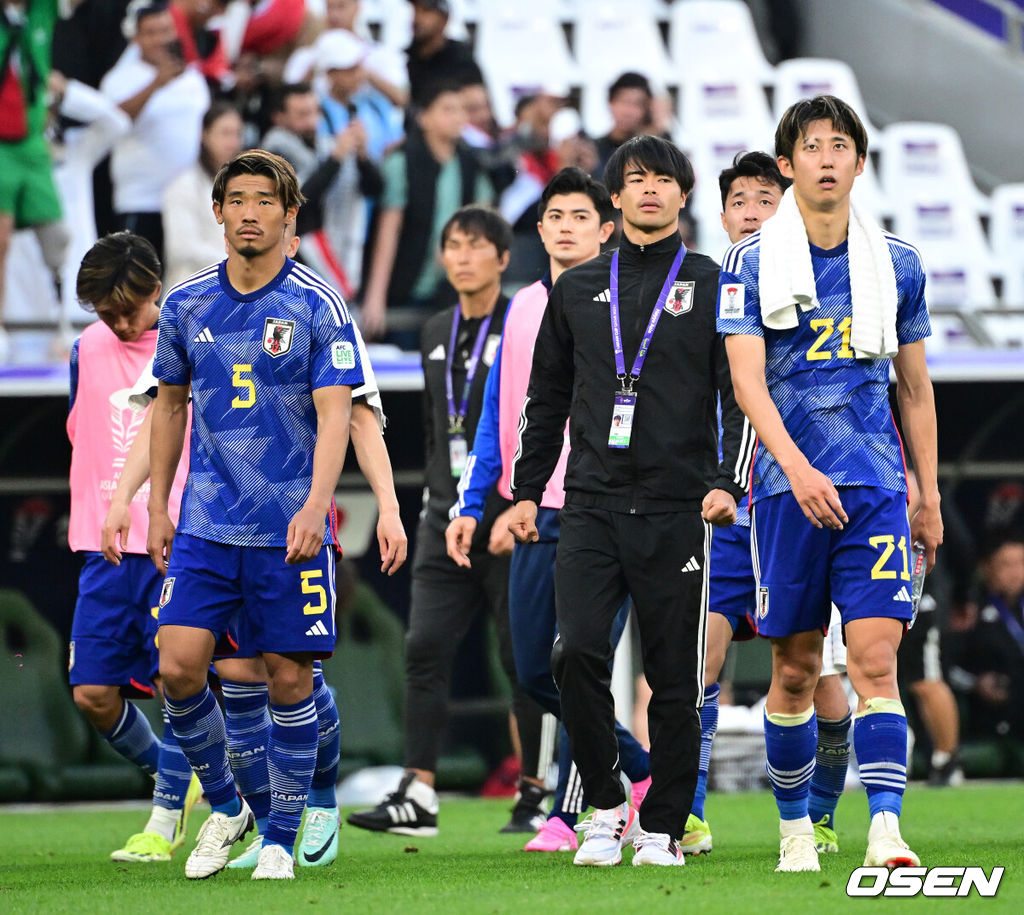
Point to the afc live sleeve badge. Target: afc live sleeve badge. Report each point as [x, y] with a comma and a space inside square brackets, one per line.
[277, 336]
[343, 355]
[730, 301]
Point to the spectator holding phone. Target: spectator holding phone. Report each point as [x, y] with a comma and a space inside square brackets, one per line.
[166, 101]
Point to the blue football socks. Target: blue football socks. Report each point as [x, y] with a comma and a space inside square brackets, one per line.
[790, 742]
[708, 727]
[198, 725]
[291, 760]
[880, 738]
[247, 721]
[328, 755]
[830, 763]
[134, 739]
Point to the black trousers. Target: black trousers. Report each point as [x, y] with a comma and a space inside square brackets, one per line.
[661, 561]
[445, 601]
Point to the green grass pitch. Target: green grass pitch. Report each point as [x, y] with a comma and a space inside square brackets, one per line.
[56, 861]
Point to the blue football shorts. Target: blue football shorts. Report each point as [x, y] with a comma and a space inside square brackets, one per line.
[731, 584]
[113, 633]
[801, 570]
[251, 592]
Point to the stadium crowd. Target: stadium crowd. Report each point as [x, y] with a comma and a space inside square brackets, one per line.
[387, 144]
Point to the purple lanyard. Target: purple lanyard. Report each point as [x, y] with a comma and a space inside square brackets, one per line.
[455, 418]
[1010, 622]
[645, 344]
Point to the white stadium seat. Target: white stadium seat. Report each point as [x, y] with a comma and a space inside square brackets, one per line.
[715, 35]
[519, 47]
[1005, 330]
[922, 159]
[957, 259]
[724, 105]
[1007, 232]
[806, 77]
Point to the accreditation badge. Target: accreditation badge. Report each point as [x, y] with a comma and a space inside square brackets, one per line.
[458, 454]
[622, 420]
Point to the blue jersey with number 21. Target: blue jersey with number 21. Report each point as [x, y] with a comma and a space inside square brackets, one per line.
[835, 407]
[253, 361]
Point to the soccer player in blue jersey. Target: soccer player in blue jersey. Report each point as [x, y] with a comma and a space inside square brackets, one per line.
[814, 306]
[269, 352]
[751, 190]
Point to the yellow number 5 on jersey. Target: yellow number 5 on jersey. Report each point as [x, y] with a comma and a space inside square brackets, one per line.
[247, 397]
[308, 587]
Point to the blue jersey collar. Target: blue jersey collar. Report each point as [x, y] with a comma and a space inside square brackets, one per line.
[229, 290]
[838, 251]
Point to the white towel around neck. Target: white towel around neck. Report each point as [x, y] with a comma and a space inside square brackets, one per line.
[786, 278]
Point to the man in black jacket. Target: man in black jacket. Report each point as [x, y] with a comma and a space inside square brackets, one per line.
[458, 348]
[433, 55]
[642, 489]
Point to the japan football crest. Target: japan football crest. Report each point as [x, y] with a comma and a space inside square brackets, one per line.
[277, 336]
[166, 591]
[680, 298]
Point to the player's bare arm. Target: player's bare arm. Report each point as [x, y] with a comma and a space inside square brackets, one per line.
[117, 524]
[375, 463]
[169, 418]
[813, 490]
[917, 411]
[333, 414]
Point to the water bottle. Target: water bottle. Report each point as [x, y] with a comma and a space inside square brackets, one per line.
[918, 564]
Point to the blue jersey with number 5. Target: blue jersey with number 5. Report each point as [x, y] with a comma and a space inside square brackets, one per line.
[835, 407]
[253, 361]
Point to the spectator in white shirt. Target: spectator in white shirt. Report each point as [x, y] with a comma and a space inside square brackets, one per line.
[166, 101]
[192, 238]
[385, 67]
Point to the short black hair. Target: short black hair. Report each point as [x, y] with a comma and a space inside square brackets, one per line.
[149, 9]
[820, 108]
[265, 165]
[279, 101]
[120, 270]
[752, 165]
[629, 80]
[483, 222]
[573, 180]
[652, 154]
[431, 92]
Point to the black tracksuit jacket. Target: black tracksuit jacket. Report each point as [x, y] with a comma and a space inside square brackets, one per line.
[441, 486]
[673, 457]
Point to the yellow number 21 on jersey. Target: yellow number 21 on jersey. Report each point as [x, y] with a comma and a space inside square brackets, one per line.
[888, 545]
[825, 328]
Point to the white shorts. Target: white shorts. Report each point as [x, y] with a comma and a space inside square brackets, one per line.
[833, 652]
